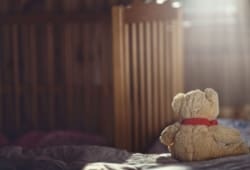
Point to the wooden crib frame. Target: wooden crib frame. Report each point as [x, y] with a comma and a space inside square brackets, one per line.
[148, 71]
[58, 72]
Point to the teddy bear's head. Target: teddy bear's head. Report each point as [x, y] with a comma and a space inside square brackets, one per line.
[197, 104]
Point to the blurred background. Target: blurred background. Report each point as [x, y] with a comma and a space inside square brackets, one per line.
[56, 64]
[217, 48]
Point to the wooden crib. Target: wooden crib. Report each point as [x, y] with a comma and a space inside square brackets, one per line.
[110, 73]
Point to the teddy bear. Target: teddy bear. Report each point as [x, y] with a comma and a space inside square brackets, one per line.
[198, 136]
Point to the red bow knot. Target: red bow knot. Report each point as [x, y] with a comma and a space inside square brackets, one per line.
[199, 121]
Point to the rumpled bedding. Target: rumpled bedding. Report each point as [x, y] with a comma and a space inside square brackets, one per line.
[58, 157]
[89, 157]
[242, 125]
[105, 158]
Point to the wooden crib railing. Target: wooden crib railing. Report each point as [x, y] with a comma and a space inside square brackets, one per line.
[148, 65]
[56, 72]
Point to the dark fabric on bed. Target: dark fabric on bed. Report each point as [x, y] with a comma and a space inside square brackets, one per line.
[34, 139]
[105, 158]
[30, 139]
[59, 157]
[71, 138]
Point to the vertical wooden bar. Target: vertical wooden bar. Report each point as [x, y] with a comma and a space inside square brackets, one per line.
[161, 74]
[26, 118]
[177, 76]
[135, 84]
[1, 96]
[123, 104]
[92, 87]
[1, 77]
[68, 67]
[127, 78]
[68, 72]
[118, 77]
[6, 74]
[168, 69]
[88, 71]
[50, 74]
[107, 122]
[77, 75]
[85, 61]
[174, 57]
[155, 77]
[16, 74]
[180, 49]
[149, 79]
[33, 74]
[50, 68]
[143, 104]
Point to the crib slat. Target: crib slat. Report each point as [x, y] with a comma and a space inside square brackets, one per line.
[162, 102]
[25, 85]
[92, 63]
[6, 86]
[9, 79]
[87, 74]
[106, 79]
[68, 73]
[175, 61]
[1, 79]
[168, 59]
[85, 37]
[78, 89]
[149, 79]
[33, 74]
[50, 74]
[155, 77]
[127, 68]
[16, 74]
[142, 62]
[166, 70]
[135, 84]
[50, 70]
[118, 75]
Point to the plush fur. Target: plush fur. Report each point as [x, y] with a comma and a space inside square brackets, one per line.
[200, 142]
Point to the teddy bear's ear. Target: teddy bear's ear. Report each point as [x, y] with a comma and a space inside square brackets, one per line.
[212, 96]
[177, 102]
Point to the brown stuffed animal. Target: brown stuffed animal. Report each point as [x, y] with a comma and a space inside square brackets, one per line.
[198, 136]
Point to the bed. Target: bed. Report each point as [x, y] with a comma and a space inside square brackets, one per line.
[92, 157]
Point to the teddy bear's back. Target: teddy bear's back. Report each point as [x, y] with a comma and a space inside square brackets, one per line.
[193, 142]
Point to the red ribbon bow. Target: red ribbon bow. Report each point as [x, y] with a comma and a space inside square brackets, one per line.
[199, 121]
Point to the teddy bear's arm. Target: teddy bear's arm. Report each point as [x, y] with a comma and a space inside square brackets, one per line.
[168, 134]
[225, 135]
